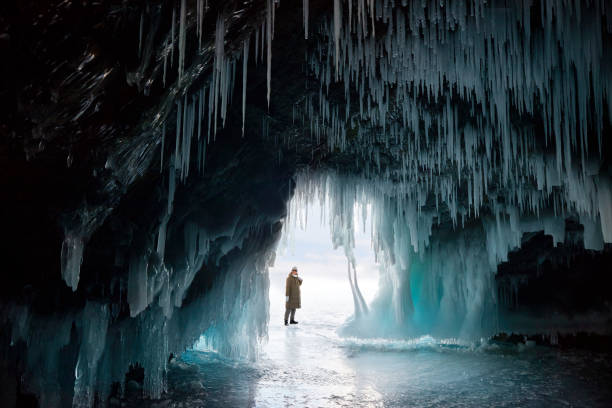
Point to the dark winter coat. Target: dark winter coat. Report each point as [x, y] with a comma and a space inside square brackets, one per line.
[292, 289]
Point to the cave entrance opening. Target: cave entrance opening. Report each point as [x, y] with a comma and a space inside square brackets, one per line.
[327, 294]
[317, 363]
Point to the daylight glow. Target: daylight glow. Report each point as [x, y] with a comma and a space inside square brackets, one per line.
[326, 286]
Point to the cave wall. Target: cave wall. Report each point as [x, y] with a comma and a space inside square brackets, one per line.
[82, 163]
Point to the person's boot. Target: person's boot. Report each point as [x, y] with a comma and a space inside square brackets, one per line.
[286, 323]
[293, 322]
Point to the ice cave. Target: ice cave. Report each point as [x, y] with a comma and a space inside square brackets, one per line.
[440, 171]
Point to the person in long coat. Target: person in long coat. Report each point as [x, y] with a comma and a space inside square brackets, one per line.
[293, 299]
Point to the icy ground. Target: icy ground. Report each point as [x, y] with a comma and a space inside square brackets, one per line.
[308, 365]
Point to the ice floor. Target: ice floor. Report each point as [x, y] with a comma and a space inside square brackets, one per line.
[308, 365]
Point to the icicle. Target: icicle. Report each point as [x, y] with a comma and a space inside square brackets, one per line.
[269, 47]
[219, 71]
[172, 35]
[179, 111]
[337, 27]
[182, 38]
[245, 61]
[165, 62]
[360, 299]
[263, 38]
[185, 139]
[305, 7]
[71, 259]
[161, 165]
[356, 303]
[200, 112]
[200, 22]
[140, 32]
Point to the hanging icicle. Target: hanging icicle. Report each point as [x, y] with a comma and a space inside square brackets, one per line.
[182, 38]
[305, 8]
[269, 46]
[245, 62]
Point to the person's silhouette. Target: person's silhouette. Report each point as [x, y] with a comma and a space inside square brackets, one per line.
[292, 295]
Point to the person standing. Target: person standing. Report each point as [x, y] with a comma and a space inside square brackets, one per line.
[292, 295]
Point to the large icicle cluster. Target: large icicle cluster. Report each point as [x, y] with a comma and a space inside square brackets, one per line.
[199, 114]
[231, 318]
[435, 278]
[491, 96]
[457, 111]
[471, 102]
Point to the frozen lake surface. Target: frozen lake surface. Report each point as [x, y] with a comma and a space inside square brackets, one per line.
[309, 365]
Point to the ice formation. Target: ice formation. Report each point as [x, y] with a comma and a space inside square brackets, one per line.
[231, 318]
[447, 89]
[305, 8]
[468, 124]
[453, 91]
[448, 96]
[434, 281]
[72, 257]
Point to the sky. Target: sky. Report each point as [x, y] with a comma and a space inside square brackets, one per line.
[326, 288]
